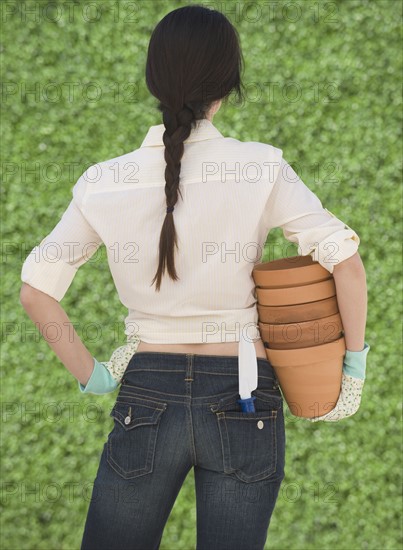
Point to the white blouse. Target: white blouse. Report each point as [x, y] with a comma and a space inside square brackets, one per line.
[233, 193]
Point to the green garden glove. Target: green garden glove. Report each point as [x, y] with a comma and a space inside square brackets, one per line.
[353, 378]
[107, 375]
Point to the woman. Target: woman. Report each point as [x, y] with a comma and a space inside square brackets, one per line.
[182, 263]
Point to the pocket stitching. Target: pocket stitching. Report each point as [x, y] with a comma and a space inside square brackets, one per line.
[226, 449]
[154, 424]
[148, 420]
[147, 469]
[275, 400]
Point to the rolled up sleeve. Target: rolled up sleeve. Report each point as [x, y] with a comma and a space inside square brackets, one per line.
[299, 213]
[52, 264]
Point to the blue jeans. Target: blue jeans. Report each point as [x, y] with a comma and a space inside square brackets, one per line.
[175, 411]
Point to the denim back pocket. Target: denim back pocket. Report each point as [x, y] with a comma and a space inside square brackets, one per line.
[249, 440]
[132, 443]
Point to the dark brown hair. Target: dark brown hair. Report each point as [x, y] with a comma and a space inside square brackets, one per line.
[194, 58]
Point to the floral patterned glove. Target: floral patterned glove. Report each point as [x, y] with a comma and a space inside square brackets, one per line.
[353, 377]
[106, 376]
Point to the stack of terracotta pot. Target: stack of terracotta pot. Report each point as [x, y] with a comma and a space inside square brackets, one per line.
[302, 331]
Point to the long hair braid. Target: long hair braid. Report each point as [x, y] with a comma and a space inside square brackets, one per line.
[177, 129]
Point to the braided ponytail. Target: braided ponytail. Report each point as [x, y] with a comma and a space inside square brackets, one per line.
[194, 59]
[177, 130]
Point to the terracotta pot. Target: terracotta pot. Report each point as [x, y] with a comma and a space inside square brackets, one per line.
[298, 290]
[296, 294]
[302, 334]
[298, 312]
[291, 271]
[310, 378]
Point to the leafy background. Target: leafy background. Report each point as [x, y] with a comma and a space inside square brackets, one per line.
[334, 107]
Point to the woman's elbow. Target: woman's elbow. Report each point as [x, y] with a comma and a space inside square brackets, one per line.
[28, 294]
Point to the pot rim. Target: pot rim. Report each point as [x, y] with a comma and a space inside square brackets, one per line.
[306, 356]
[304, 261]
[304, 324]
[300, 294]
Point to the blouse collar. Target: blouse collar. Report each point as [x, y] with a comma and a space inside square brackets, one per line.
[204, 129]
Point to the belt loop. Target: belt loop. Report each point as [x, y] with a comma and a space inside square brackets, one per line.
[189, 367]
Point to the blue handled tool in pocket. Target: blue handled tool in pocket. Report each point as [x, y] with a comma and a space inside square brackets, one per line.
[248, 374]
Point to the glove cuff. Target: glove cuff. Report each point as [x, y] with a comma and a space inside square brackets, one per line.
[100, 381]
[355, 362]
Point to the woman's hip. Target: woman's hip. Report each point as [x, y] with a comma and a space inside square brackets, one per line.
[184, 378]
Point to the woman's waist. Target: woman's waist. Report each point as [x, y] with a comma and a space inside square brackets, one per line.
[220, 348]
[180, 377]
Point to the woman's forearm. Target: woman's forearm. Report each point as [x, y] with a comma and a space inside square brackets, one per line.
[56, 328]
[351, 288]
